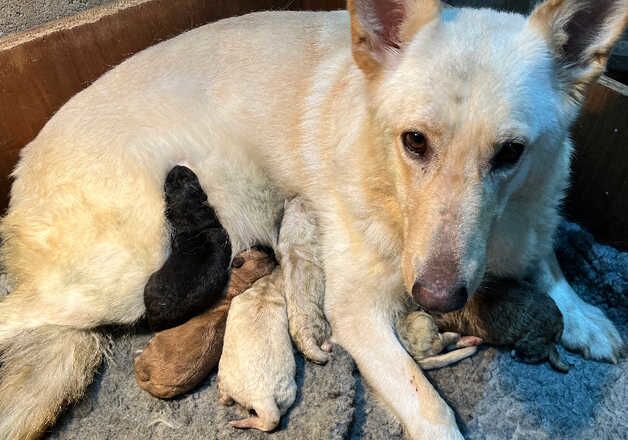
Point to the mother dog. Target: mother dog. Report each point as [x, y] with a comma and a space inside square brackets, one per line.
[432, 144]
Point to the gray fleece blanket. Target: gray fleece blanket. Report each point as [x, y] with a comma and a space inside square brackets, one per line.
[494, 396]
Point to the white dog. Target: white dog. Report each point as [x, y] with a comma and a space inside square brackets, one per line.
[432, 145]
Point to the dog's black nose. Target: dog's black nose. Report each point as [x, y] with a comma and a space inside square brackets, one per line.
[439, 299]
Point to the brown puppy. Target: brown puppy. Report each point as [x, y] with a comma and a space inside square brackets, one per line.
[178, 359]
[512, 313]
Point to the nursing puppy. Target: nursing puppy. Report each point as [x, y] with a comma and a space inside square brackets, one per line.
[177, 359]
[196, 273]
[514, 314]
[257, 365]
[432, 145]
[423, 340]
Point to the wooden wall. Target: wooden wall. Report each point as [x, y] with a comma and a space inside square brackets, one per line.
[598, 197]
[41, 69]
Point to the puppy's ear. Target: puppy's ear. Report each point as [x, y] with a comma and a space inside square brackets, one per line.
[581, 34]
[380, 28]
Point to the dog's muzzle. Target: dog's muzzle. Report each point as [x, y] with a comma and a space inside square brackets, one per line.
[439, 299]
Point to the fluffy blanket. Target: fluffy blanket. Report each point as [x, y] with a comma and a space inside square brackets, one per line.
[494, 396]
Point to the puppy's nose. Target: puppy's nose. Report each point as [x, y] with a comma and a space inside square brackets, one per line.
[439, 299]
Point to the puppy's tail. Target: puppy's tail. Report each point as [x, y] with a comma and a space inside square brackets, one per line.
[41, 370]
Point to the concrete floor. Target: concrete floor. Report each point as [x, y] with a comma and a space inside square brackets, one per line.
[19, 15]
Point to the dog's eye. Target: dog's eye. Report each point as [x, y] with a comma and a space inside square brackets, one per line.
[508, 155]
[415, 143]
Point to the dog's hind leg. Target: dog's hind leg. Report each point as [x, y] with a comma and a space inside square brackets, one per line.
[75, 268]
[48, 354]
[586, 329]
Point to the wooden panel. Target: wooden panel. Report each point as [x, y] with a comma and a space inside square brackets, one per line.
[522, 6]
[598, 198]
[322, 5]
[41, 69]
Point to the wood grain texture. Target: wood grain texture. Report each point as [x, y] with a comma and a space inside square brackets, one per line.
[598, 197]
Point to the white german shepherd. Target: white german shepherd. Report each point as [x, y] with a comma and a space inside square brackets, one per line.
[432, 144]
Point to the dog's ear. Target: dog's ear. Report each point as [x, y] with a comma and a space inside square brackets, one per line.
[581, 33]
[380, 28]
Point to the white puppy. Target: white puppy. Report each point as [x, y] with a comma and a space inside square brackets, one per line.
[257, 365]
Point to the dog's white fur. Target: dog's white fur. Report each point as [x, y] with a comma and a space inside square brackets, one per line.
[273, 104]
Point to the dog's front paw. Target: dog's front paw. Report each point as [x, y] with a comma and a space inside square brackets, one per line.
[310, 333]
[429, 427]
[589, 332]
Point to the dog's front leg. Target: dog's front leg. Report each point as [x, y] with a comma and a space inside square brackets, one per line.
[586, 329]
[361, 320]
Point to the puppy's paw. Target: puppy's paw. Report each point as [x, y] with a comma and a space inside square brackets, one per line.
[223, 396]
[589, 332]
[439, 424]
[225, 399]
[310, 333]
[266, 418]
[254, 422]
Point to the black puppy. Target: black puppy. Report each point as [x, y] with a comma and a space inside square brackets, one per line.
[197, 271]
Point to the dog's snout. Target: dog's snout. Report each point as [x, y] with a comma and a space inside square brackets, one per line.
[439, 299]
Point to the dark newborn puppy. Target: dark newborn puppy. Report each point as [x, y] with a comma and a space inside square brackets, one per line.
[195, 274]
[511, 313]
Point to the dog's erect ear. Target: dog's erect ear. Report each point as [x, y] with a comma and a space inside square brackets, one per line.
[581, 33]
[380, 28]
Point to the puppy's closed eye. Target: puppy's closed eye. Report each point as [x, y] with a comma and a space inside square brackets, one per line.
[237, 262]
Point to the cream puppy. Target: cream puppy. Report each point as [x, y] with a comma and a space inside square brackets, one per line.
[257, 365]
[419, 335]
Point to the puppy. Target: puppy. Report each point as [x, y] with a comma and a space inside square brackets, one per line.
[257, 366]
[195, 274]
[513, 313]
[176, 360]
[421, 338]
[304, 280]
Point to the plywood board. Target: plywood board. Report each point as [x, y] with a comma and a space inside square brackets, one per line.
[598, 197]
